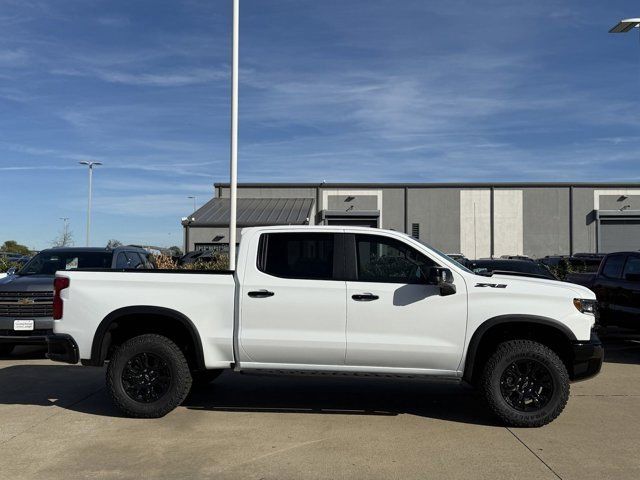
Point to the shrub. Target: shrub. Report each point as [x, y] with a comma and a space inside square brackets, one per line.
[220, 262]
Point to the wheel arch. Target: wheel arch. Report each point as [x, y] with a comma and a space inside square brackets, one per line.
[124, 317]
[491, 330]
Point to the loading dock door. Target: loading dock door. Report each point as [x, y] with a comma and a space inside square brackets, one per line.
[619, 235]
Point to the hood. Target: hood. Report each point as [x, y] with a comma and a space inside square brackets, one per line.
[26, 283]
[576, 290]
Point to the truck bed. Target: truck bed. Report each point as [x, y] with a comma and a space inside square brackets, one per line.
[206, 298]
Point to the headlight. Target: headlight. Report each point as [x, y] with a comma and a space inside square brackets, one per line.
[586, 306]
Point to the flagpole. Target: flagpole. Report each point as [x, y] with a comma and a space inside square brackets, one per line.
[233, 184]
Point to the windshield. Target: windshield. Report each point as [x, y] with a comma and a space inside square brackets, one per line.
[48, 263]
[445, 256]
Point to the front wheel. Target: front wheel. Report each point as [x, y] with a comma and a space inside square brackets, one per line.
[525, 383]
[148, 376]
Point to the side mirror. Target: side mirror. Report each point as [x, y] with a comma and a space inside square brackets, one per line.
[443, 278]
[11, 271]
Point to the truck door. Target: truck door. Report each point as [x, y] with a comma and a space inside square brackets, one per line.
[293, 305]
[608, 289]
[629, 299]
[393, 318]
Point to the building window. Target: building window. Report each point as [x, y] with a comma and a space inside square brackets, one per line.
[415, 230]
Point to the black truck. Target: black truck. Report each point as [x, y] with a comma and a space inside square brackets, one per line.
[26, 295]
[617, 286]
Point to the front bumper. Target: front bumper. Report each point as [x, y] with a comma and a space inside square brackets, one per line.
[62, 348]
[586, 358]
[42, 327]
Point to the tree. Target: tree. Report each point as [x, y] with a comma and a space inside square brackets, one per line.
[113, 243]
[175, 251]
[65, 239]
[11, 246]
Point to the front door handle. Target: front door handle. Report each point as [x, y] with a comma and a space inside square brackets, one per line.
[364, 297]
[261, 294]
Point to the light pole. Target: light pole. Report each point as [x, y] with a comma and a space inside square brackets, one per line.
[626, 25]
[90, 165]
[194, 201]
[233, 184]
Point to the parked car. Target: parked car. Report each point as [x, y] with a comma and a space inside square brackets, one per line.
[329, 299]
[523, 267]
[26, 295]
[617, 287]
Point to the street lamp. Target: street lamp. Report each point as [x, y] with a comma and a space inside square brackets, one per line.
[90, 165]
[194, 201]
[624, 26]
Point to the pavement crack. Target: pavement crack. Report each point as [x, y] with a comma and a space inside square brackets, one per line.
[534, 453]
[62, 409]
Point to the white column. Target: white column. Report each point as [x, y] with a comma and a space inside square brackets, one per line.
[234, 136]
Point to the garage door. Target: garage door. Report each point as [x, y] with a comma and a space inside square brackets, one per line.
[619, 235]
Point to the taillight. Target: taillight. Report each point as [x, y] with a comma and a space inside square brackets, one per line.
[59, 284]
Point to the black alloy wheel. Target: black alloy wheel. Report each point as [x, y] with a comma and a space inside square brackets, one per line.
[146, 378]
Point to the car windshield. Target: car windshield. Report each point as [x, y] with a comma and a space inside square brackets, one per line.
[48, 263]
[445, 256]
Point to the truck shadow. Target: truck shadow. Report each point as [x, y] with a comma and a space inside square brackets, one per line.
[341, 396]
[82, 390]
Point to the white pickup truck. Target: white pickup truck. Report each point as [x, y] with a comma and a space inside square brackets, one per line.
[330, 299]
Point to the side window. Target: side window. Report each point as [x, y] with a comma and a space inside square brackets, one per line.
[297, 255]
[613, 266]
[134, 260]
[386, 260]
[121, 261]
[632, 269]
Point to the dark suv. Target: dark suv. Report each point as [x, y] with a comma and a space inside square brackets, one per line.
[26, 295]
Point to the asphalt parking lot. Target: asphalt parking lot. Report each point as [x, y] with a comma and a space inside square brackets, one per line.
[56, 421]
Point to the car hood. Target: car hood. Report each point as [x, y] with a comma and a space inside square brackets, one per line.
[571, 288]
[26, 283]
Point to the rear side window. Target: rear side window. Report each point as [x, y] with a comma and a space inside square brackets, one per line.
[613, 266]
[297, 255]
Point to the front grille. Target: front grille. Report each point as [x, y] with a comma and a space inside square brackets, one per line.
[26, 304]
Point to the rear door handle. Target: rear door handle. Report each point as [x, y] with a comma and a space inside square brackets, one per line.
[261, 294]
[364, 297]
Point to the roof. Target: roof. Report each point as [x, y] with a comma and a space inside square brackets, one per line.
[437, 185]
[254, 212]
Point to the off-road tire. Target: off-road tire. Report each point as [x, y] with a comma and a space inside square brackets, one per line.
[176, 363]
[6, 349]
[505, 354]
[202, 378]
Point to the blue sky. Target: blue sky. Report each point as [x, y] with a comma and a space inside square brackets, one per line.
[349, 90]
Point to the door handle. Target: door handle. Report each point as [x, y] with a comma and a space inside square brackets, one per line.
[261, 294]
[364, 297]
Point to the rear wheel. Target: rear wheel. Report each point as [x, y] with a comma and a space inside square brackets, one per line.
[525, 383]
[148, 376]
[6, 349]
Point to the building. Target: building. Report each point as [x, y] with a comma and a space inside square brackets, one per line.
[476, 219]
